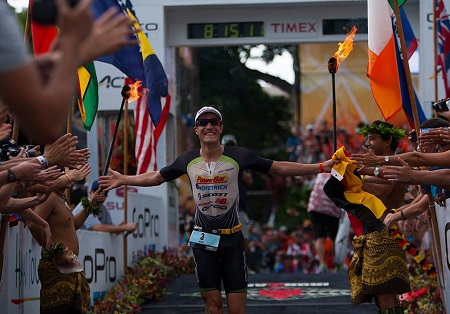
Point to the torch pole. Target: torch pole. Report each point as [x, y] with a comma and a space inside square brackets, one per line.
[125, 95]
[333, 82]
[333, 66]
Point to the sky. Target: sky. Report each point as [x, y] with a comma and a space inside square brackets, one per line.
[18, 4]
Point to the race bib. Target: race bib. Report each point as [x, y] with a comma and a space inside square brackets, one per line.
[204, 240]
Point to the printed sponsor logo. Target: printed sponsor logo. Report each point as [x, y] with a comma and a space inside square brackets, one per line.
[226, 170]
[200, 196]
[211, 187]
[212, 180]
[216, 206]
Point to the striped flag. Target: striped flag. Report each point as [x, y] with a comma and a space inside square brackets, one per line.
[147, 135]
[443, 42]
[385, 69]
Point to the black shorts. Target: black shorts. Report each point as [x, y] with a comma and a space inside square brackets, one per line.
[226, 265]
[324, 225]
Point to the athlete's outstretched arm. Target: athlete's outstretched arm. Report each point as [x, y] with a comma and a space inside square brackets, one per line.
[116, 179]
[288, 168]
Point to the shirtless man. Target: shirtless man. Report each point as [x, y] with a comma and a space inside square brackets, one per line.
[64, 286]
[383, 273]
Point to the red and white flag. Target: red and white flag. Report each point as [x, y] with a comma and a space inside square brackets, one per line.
[147, 135]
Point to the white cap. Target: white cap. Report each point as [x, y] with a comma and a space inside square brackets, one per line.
[229, 138]
[310, 127]
[206, 110]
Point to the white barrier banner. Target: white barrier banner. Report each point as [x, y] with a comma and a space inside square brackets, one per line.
[151, 218]
[102, 255]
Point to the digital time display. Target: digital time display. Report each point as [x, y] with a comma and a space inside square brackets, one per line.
[225, 30]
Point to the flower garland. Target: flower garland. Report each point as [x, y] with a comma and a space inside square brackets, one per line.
[413, 250]
[54, 250]
[91, 209]
[383, 129]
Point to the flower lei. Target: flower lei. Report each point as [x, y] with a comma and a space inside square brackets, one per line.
[91, 209]
[54, 250]
[413, 250]
[392, 132]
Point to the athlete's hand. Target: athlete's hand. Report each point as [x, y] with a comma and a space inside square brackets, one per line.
[114, 180]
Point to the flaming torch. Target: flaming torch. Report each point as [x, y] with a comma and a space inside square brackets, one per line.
[333, 67]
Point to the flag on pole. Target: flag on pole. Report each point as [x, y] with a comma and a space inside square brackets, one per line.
[443, 43]
[411, 46]
[400, 3]
[87, 98]
[147, 134]
[385, 69]
[88, 91]
[138, 62]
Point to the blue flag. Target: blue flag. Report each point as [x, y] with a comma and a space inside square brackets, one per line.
[138, 62]
[411, 46]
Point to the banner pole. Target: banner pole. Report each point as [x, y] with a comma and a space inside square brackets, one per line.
[401, 35]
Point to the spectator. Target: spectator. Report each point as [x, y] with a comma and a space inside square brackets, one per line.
[255, 249]
[102, 222]
[293, 144]
[324, 215]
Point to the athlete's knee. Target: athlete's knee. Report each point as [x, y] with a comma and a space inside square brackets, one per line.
[213, 302]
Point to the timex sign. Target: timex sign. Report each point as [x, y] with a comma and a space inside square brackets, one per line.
[295, 28]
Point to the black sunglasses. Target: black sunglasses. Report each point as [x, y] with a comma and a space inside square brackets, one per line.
[204, 122]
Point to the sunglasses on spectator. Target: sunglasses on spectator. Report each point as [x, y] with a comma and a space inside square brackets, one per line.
[204, 122]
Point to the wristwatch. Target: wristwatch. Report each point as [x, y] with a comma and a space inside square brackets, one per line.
[376, 172]
[386, 159]
[11, 176]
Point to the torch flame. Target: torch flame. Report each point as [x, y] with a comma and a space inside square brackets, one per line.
[136, 91]
[343, 51]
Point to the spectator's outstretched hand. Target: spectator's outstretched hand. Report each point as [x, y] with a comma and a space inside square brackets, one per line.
[110, 32]
[75, 23]
[80, 172]
[47, 175]
[59, 151]
[402, 173]
[112, 181]
[368, 158]
[436, 136]
[97, 197]
[26, 171]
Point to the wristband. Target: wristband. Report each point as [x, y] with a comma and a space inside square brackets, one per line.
[321, 167]
[43, 161]
[403, 215]
[70, 179]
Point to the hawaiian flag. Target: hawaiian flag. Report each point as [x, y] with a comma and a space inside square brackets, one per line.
[443, 42]
[385, 69]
